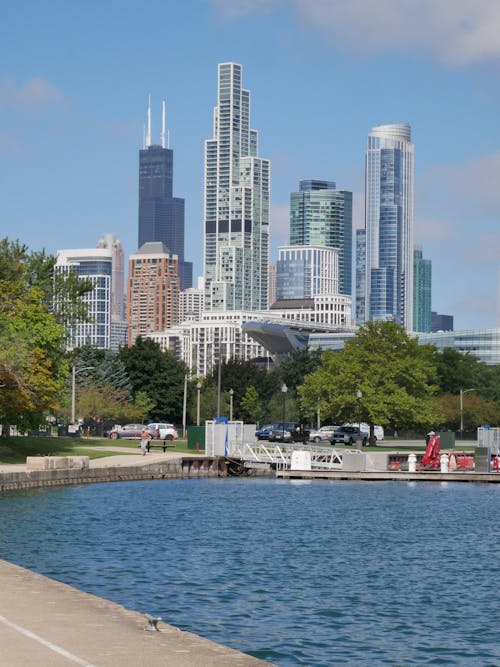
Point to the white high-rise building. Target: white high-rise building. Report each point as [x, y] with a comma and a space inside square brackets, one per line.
[306, 271]
[389, 225]
[114, 244]
[236, 203]
[95, 265]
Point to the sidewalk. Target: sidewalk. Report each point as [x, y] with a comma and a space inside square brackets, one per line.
[47, 623]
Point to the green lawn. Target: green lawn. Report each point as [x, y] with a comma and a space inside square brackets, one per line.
[15, 450]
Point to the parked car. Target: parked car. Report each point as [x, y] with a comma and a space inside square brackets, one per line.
[161, 431]
[317, 435]
[378, 431]
[348, 435]
[262, 433]
[130, 431]
[324, 433]
[288, 432]
[157, 431]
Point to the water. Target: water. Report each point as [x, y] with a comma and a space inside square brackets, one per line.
[317, 574]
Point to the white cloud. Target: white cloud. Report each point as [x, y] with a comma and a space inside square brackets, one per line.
[468, 191]
[455, 31]
[29, 97]
[235, 9]
[433, 229]
[280, 224]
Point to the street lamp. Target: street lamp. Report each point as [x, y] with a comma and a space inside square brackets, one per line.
[198, 389]
[284, 389]
[462, 392]
[359, 396]
[219, 373]
[231, 394]
[74, 373]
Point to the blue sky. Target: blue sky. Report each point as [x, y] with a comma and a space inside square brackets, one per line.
[75, 77]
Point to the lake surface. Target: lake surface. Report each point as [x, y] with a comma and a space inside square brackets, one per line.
[297, 573]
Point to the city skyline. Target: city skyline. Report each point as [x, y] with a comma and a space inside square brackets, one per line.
[72, 111]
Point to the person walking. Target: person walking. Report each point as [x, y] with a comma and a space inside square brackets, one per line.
[145, 438]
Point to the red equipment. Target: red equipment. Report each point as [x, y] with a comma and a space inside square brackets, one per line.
[430, 460]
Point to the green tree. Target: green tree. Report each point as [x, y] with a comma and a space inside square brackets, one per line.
[32, 358]
[395, 375]
[251, 406]
[159, 375]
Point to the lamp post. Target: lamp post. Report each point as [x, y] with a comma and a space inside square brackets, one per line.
[198, 389]
[318, 416]
[284, 389]
[74, 373]
[218, 382]
[359, 396]
[184, 406]
[462, 392]
[231, 394]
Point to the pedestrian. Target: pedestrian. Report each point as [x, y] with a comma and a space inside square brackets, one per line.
[145, 438]
[429, 436]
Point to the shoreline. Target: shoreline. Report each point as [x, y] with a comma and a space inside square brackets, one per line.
[47, 622]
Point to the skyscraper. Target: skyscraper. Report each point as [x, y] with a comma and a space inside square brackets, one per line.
[152, 290]
[360, 275]
[321, 215]
[95, 265]
[303, 272]
[236, 207]
[422, 291]
[389, 225]
[112, 243]
[161, 215]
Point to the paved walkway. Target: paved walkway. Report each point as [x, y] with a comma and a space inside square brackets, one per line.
[44, 623]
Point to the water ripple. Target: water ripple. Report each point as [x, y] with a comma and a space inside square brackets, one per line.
[320, 574]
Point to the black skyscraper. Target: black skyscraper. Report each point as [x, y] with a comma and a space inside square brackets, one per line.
[161, 216]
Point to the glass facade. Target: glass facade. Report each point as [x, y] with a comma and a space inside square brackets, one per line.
[161, 216]
[236, 209]
[303, 272]
[360, 274]
[93, 264]
[389, 226]
[321, 215]
[422, 292]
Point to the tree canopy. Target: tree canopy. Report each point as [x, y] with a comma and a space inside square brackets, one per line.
[382, 376]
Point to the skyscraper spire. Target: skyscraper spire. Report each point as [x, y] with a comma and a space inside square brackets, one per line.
[148, 131]
[163, 124]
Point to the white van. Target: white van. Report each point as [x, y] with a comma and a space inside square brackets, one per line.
[378, 431]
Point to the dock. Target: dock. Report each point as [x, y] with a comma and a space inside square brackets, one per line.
[391, 476]
[45, 622]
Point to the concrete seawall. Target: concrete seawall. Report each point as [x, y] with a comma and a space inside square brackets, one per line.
[115, 469]
[45, 622]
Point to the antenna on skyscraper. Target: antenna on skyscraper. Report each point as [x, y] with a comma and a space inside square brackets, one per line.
[163, 124]
[148, 132]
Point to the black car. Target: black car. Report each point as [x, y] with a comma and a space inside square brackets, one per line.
[348, 435]
[288, 432]
[262, 433]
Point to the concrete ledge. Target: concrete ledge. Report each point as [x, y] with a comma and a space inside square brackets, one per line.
[57, 462]
[187, 467]
[45, 622]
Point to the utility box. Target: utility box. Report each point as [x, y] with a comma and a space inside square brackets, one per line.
[196, 437]
[447, 439]
[482, 457]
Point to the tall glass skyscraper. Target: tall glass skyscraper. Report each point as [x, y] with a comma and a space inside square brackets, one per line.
[321, 215]
[389, 225]
[422, 291]
[236, 211]
[161, 215]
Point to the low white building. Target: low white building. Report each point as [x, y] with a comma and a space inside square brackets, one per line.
[199, 343]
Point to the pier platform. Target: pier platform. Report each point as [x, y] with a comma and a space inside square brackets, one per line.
[381, 476]
[45, 622]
